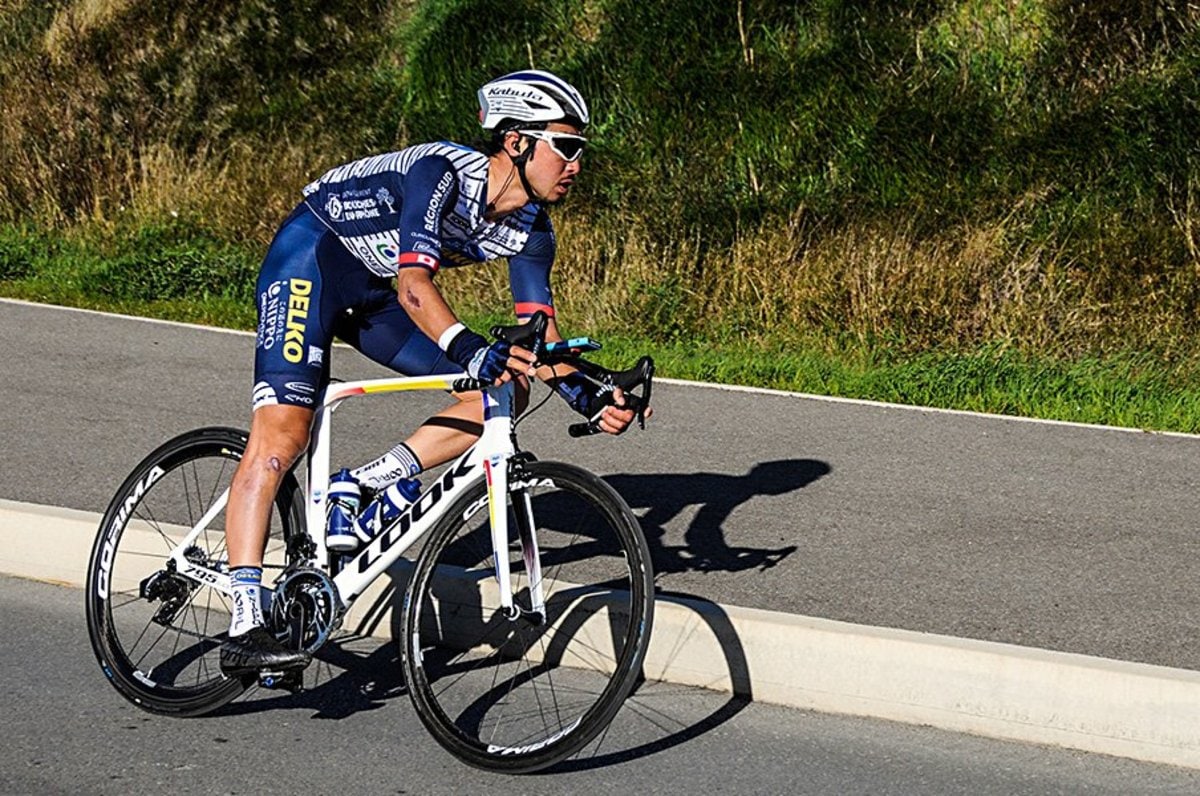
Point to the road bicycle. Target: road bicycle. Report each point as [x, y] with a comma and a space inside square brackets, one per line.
[526, 615]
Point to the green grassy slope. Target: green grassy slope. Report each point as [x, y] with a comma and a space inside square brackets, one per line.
[965, 202]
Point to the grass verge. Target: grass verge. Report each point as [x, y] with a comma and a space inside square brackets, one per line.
[1129, 390]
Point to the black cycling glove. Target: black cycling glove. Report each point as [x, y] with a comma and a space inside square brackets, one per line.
[471, 352]
[584, 395]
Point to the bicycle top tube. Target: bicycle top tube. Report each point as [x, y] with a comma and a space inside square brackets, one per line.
[338, 391]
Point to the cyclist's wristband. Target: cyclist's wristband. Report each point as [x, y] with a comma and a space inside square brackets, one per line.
[447, 337]
[464, 346]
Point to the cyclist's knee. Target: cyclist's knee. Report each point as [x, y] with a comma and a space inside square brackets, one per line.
[278, 435]
[470, 404]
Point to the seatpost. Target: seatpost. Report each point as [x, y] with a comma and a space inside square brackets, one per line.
[318, 475]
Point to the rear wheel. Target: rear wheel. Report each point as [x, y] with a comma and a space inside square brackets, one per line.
[521, 693]
[155, 632]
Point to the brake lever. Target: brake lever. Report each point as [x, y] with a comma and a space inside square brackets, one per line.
[636, 384]
[530, 335]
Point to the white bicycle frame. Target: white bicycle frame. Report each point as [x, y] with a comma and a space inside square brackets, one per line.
[487, 459]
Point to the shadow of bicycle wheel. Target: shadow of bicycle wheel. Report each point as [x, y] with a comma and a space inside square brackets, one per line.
[685, 626]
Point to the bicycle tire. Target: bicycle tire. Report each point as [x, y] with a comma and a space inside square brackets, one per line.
[512, 695]
[171, 666]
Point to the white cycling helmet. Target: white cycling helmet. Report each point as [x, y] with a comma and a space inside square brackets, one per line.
[530, 96]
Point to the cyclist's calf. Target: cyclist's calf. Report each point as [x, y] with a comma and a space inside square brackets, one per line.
[278, 435]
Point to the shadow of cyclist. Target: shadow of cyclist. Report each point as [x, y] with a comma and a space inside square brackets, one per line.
[706, 545]
[352, 674]
[368, 686]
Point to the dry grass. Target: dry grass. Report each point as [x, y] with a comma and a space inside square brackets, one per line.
[970, 284]
[78, 155]
[76, 21]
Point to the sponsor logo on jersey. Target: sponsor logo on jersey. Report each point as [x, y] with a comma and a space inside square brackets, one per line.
[270, 319]
[357, 209]
[436, 200]
[315, 355]
[345, 209]
[297, 314]
[301, 387]
[356, 204]
[362, 250]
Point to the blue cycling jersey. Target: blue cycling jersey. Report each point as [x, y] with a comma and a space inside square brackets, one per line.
[424, 207]
[327, 272]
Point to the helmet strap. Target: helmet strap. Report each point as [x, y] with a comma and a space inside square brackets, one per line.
[533, 197]
[491, 206]
[519, 161]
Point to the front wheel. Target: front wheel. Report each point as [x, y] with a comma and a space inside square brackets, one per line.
[156, 633]
[518, 693]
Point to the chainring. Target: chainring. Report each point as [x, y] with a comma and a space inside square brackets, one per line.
[305, 609]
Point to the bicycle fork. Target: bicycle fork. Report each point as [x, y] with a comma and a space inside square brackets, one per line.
[497, 442]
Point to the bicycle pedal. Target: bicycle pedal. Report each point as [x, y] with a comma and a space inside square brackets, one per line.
[292, 681]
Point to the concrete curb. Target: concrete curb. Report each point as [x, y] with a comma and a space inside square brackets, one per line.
[998, 690]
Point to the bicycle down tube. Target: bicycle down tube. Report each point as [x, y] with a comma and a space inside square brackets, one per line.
[488, 459]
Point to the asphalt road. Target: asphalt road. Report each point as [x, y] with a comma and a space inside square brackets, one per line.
[1052, 536]
[68, 732]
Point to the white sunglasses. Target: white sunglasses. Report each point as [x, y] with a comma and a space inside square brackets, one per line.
[567, 146]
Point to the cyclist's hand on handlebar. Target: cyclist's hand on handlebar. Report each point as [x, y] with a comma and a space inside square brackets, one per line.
[520, 362]
[615, 418]
[499, 361]
[494, 363]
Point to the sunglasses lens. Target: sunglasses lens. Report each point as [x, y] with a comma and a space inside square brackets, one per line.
[568, 146]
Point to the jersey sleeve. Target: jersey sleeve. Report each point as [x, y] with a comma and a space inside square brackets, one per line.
[529, 270]
[430, 191]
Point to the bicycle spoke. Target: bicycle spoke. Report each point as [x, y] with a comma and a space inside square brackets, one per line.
[519, 694]
[181, 647]
[146, 515]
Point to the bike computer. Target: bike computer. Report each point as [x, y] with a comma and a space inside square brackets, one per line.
[576, 345]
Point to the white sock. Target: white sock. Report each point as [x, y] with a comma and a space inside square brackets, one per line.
[399, 462]
[247, 600]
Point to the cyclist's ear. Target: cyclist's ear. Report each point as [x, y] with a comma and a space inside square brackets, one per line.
[515, 143]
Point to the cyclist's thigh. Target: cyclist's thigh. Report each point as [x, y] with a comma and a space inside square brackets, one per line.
[384, 332]
[296, 310]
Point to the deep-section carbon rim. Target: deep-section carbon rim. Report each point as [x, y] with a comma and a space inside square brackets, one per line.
[155, 633]
[520, 694]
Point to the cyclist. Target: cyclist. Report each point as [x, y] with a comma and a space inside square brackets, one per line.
[328, 271]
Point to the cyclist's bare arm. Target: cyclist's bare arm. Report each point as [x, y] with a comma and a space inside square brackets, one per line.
[424, 303]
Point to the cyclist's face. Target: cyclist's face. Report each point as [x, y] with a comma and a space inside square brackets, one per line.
[548, 173]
